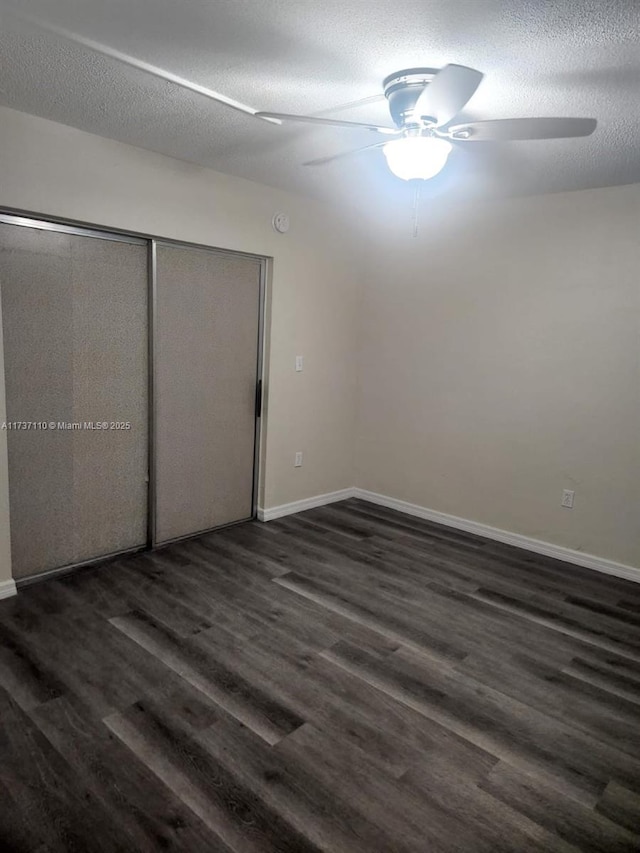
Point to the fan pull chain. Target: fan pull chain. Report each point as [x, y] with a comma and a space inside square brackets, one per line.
[416, 201]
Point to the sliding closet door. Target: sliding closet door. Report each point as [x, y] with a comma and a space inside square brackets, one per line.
[207, 326]
[74, 311]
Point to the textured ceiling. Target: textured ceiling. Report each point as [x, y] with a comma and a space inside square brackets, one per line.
[542, 58]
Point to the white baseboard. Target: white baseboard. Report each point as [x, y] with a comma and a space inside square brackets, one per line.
[7, 589]
[307, 503]
[547, 549]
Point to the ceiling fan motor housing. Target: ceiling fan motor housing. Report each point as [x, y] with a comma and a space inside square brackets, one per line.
[403, 88]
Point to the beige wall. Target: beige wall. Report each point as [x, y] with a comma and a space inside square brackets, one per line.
[499, 364]
[53, 169]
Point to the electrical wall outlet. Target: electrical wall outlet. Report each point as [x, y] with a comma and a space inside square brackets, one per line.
[299, 361]
[298, 459]
[567, 498]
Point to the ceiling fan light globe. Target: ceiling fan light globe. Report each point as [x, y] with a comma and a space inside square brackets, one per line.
[417, 157]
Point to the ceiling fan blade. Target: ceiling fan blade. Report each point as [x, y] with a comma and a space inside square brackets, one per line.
[351, 105]
[322, 160]
[446, 95]
[522, 128]
[333, 122]
[136, 63]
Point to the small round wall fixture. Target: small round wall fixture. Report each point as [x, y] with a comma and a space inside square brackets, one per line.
[280, 223]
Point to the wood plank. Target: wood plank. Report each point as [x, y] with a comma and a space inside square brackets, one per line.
[46, 805]
[504, 727]
[135, 801]
[231, 811]
[249, 704]
[582, 827]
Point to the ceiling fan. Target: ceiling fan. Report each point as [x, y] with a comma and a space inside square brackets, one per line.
[423, 102]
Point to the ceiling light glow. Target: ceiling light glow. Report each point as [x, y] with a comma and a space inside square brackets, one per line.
[420, 157]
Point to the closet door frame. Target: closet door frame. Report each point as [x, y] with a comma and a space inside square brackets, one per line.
[45, 222]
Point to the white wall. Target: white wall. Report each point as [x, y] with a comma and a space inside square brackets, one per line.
[52, 169]
[500, 363]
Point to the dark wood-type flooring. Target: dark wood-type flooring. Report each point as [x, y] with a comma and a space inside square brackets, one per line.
[349, 679]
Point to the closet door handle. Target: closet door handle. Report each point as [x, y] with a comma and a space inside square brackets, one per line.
[259, 399]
